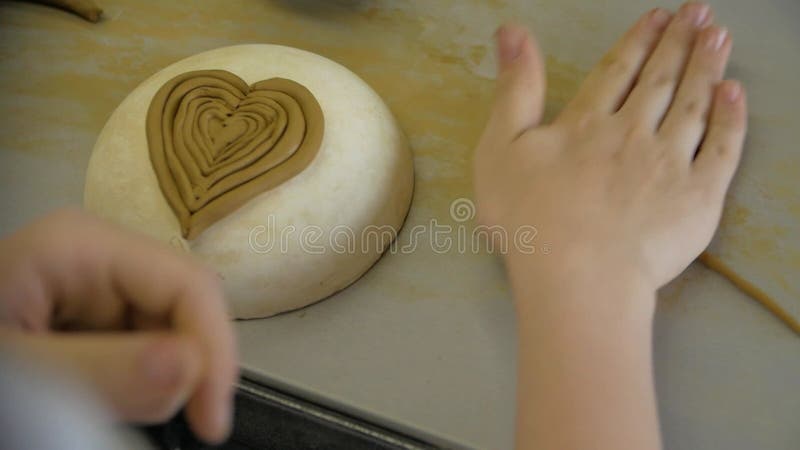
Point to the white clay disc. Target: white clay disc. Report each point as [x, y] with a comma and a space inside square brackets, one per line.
[358, 187]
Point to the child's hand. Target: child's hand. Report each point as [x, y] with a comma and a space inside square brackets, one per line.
[629, 180]
[148, 327]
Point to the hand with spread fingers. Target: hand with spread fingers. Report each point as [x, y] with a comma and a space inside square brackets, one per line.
[626, 186]
[146, 327]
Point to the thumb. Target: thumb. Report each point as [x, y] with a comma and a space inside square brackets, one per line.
[521, 82]
[144, 377]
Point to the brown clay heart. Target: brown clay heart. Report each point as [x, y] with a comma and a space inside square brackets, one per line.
[216, 142]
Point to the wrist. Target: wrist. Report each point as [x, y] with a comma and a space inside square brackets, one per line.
[577, 279]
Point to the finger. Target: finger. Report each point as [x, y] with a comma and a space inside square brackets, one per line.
[687, 118]
[155, 282]
[719, 155]
[653, 91]
[210, 409]
[197, 309]
[519, 93]
[143, 377]
[610, 81]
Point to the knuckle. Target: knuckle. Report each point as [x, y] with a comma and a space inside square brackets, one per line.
[731, 122]
[705, 194]
[52, 231]
[585, 122]
[722, 149]
[206, 279]
[67, 215]
[665, 163]
[692, 107]
[212, 277]
[636, 132]
[660, 80]
[211, 288]
[705, 116]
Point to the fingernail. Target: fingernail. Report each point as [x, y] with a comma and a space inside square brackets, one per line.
[161, 364]
[697, 13]
[732, 91]
[509, 43]
[716, 38]
[659, 17]
[702, 15]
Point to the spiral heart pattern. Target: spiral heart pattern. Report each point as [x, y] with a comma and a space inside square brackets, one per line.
[216, 142]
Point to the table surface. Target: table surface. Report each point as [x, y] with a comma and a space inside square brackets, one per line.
[425, 341]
